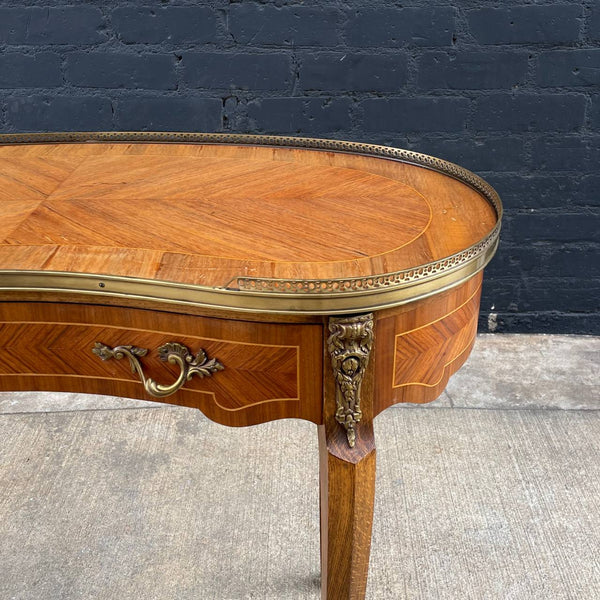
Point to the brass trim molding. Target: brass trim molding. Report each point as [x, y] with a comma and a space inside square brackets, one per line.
[238, 300]
[349, 347]
[357, 284]
[325, 296]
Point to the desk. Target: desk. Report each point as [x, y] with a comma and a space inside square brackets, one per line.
[254, 278]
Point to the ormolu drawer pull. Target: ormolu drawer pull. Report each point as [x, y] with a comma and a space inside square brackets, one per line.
[173, 352]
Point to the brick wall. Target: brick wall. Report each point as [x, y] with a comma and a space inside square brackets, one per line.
[508, 89]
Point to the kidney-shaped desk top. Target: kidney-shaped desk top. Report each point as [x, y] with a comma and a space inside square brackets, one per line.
[252, 277]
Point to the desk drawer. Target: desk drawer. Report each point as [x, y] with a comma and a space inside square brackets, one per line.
[270, 370]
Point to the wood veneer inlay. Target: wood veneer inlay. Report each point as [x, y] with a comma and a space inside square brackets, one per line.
[208, 214]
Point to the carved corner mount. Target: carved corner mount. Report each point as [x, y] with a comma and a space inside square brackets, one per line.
[349, 345]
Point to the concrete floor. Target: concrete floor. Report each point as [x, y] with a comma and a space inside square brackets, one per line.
[110, 498]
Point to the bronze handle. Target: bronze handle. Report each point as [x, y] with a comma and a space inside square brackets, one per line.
[173, 352]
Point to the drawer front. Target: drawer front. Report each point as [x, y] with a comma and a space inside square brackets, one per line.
[270, 370]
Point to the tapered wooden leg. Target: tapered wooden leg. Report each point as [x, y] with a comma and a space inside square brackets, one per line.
[347, 459]
[347, 494]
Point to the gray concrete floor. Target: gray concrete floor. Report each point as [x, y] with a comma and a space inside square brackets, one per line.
[108, 498]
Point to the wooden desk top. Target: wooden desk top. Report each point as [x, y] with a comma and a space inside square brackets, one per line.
[238, 222]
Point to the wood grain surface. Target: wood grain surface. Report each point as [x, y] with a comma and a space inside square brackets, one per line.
[421, 344]
[271, 371]
[206, 214]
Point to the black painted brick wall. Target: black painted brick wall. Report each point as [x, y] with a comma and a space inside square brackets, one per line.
[508, 89]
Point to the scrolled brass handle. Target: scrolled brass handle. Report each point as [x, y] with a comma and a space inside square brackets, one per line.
[172, 352]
